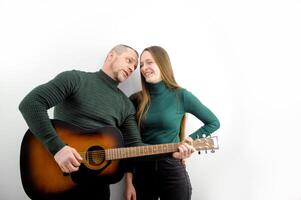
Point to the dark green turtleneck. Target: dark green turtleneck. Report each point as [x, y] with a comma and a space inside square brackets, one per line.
[163, 118]
[88, 100]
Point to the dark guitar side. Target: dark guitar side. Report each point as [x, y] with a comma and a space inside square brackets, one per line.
[40, 174]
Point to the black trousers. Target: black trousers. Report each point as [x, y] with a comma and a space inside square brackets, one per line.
[166, 179]
[85, 192]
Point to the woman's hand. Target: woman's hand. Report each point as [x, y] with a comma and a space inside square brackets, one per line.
[129, 189]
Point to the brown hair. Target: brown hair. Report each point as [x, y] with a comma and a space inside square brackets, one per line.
[143, 98]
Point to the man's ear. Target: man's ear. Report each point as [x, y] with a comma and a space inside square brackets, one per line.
[111, 55]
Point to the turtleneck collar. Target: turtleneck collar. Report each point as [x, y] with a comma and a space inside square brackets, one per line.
[107, 79]
[156, 88]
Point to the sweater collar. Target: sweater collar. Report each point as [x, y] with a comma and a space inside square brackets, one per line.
[156, 88]
[107, 79]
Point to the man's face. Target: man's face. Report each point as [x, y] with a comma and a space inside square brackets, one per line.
[124, 64]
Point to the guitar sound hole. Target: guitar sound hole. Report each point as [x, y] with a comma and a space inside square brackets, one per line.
[95, 155]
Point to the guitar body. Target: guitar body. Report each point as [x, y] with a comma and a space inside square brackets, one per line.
[41, 176]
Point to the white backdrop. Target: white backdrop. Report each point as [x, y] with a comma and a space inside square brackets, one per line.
[240, 58]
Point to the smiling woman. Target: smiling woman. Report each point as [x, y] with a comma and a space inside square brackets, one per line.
[241, 58]
[161, 108]
[149, 68]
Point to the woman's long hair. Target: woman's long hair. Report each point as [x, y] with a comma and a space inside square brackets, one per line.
[143, 99]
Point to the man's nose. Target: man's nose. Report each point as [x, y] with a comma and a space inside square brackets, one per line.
[131, 68]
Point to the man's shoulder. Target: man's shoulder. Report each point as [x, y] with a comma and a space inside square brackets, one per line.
[127, 103]
[124, 96]
[71, 73]
[77, 74]
[80, 72]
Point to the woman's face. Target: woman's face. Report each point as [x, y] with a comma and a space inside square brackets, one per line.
[149, 68]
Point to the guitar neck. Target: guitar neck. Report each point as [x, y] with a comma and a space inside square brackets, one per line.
[130, 152]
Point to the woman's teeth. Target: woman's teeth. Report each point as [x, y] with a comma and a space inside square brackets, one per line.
[148, 74]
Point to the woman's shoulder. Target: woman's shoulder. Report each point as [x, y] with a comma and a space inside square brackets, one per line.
[185, 94]
[182, 91]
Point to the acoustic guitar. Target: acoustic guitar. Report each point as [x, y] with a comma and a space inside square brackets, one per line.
[101, 150]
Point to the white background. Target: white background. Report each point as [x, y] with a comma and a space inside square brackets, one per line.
[240, 58]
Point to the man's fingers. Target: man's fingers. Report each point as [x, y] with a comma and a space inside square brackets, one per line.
[184, 151]
[68, 167]
[72, 168]
[188, 140]
[64, 169]
[176, 155]
[77, 155]
[68, 159]
[190, 149]
[74, 162]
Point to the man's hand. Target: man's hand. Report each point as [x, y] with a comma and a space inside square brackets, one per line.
[68, 159]
[185, 149]
[129, 190]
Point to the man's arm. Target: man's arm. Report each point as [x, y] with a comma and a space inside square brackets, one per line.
[36, 103]
[34, 110]
[131, 132]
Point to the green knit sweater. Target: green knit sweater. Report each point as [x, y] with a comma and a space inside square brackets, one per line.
[88, 100]
[162, 121]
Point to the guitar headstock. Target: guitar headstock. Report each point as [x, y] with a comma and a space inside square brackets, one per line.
[204, 144]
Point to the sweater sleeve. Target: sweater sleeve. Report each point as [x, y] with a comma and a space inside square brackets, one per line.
[130, 130]
[193, 106]
[133, 137]
[36, 103]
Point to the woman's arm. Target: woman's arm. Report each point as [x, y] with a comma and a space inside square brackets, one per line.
[194, 106]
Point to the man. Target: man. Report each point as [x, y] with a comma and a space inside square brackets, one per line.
[88, 100]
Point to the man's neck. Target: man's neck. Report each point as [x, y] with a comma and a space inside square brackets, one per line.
[108, 72]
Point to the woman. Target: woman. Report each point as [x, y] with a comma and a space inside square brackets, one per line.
[161, 108]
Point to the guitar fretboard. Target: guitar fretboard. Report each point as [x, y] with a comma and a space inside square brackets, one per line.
[130, 152]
